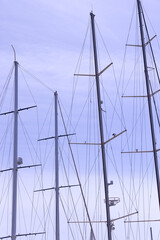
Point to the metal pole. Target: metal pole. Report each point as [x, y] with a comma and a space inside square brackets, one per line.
[56, 167]
[149, 99]
[101, 129]
[151, 233]
[15, 151]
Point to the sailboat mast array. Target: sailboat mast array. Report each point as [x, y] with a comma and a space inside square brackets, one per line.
[140, 11]
[101, 128]
[80, 207]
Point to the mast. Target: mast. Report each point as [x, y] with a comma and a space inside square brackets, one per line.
[151, 233]
[101, 128]
[149, 99]
[56, 168]
[16, 161]
[15, 152]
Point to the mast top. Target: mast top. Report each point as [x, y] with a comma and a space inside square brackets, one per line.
[139, 1]
[92, 14]
[14, 52]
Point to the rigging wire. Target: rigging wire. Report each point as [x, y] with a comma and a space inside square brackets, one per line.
[144, 173]
[5, 87]
[78, 178]
[37, 79]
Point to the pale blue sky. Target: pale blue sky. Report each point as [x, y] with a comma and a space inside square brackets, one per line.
[48, 35]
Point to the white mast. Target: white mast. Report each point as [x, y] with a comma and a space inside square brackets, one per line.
[16, 161]
[56, 168]
[56, 188]
[15, 152]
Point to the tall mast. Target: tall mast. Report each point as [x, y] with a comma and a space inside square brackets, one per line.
[151, 233]
[101, 128]
[15, 152]
[56, 168]
[149, 98]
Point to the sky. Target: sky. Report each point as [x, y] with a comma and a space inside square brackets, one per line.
[48, 36]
